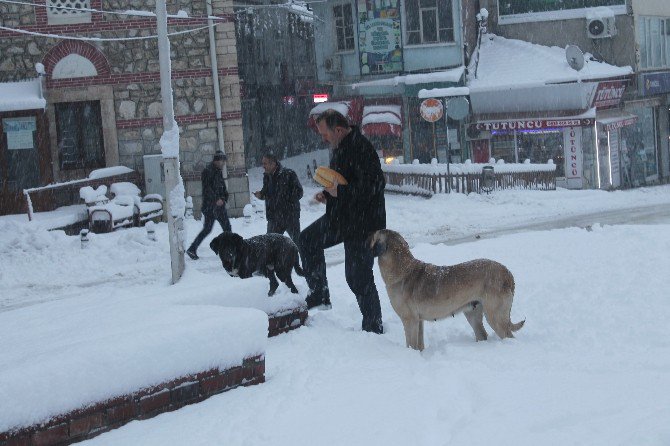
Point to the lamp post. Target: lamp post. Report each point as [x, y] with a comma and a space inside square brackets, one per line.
[169, 143]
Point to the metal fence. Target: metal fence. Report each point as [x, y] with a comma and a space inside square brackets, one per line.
[429, 184]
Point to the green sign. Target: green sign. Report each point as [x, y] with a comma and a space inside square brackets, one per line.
[379, 36]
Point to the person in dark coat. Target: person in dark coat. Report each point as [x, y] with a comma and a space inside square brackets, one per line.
[282, 192]
[214, 198]
[353, 211]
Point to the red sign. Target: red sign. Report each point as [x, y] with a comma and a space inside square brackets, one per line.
[533, 124]
[432, 110]
[321, 97]
[608, 94]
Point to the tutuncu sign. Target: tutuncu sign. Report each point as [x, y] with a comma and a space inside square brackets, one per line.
[532, 124]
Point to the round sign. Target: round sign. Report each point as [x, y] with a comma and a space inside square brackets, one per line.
[458, 108]
[431, 110]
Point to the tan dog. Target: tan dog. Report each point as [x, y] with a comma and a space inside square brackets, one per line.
[421, 292]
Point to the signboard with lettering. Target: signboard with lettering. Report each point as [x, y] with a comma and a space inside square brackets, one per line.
[654, 83]
[572, 147]
[379, 36]
[532, 124]
[608, 94]
[431, 110]
[19, 132]
[609, 126]
[615, 172]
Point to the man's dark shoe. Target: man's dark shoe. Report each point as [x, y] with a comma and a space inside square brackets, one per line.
[191, 253]
[373, 326]
[318, 300]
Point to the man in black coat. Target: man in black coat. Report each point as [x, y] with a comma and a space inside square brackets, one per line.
[353, 211]
[214, 198]
[282, 192]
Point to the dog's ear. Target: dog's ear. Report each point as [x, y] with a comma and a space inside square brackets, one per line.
[215, 245]
[377, 244]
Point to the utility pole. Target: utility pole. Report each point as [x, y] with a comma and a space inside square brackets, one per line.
[174, 186]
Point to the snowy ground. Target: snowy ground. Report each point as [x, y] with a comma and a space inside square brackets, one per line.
[591, 365]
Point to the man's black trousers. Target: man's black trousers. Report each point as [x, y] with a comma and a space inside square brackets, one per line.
[358, 261]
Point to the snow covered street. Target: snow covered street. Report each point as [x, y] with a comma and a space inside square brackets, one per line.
[590, 366]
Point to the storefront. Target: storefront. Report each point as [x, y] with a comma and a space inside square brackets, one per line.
[25, 159]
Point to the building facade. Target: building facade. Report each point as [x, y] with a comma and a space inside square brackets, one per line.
[626, 145]
[374, 57]
[103, 105]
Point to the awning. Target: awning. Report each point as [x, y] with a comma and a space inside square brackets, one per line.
[24, 95]
[381, 120]
[453, 75]
[610, 123]
[351, 109]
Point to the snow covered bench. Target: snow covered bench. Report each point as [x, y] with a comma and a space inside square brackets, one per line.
[124, 210]
[100, 363]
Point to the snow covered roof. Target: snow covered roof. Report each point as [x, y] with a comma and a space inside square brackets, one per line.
[511, 63]
[23, 95]
[443, 92]
[452, 75]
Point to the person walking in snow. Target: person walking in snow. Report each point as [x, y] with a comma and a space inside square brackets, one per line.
[282, 192]
[214, 198]
[353, 211]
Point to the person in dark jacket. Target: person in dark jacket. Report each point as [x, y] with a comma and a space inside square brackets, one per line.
[282, 192]
[353, 211]
[214, 198]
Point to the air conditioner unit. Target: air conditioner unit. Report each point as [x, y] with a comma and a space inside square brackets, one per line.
[600, 27]
[333, 64]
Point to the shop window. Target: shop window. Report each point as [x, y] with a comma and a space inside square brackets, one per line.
[508, 7]
[80, 139]
[428, 21]
[68, 11]
[638, 147]
[344, 27]
[654, 38]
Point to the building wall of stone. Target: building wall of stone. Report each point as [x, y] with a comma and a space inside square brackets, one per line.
[134, 79]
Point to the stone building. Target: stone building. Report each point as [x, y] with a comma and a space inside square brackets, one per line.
[103, 105]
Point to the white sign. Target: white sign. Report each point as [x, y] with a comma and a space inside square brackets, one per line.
[572, 146]
[615, 172]
[19, 132]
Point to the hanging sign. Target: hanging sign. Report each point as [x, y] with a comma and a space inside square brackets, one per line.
[19, 132]
[379, 36]
[572, 146]
[431, 110]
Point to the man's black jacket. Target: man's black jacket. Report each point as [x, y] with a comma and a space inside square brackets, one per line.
[282, 192]
[213, 187]
[359, 207]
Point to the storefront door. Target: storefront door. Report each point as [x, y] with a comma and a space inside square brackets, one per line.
[19, 160]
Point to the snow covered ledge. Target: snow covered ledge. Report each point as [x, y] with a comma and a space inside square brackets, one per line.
[73, 369]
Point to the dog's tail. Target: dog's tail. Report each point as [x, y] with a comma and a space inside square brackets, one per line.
[517, 326]
[298, 269]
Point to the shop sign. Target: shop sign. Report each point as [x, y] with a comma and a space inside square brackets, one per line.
[572, 146]
[608, 94]
[19, 132]
[379, 36]
[655, 83]
[619, 124]
[532, 124]
[320, 97]
[431, 110]
[615, 172]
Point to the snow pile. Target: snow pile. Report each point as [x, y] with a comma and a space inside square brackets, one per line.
[169, 141]
[93, 196]
[24, 95]
[109, 172]
[453, 75]
[515, 63]
[125, 188]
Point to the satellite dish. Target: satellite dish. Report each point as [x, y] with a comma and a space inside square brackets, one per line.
[575, 57]
[458, 108]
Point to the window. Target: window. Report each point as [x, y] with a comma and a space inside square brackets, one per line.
[508, 7]
[80, 143]
[65, 11]
[344, 27]
[654, 39]
[429, 21]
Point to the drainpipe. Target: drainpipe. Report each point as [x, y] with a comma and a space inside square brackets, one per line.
[215, 81]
